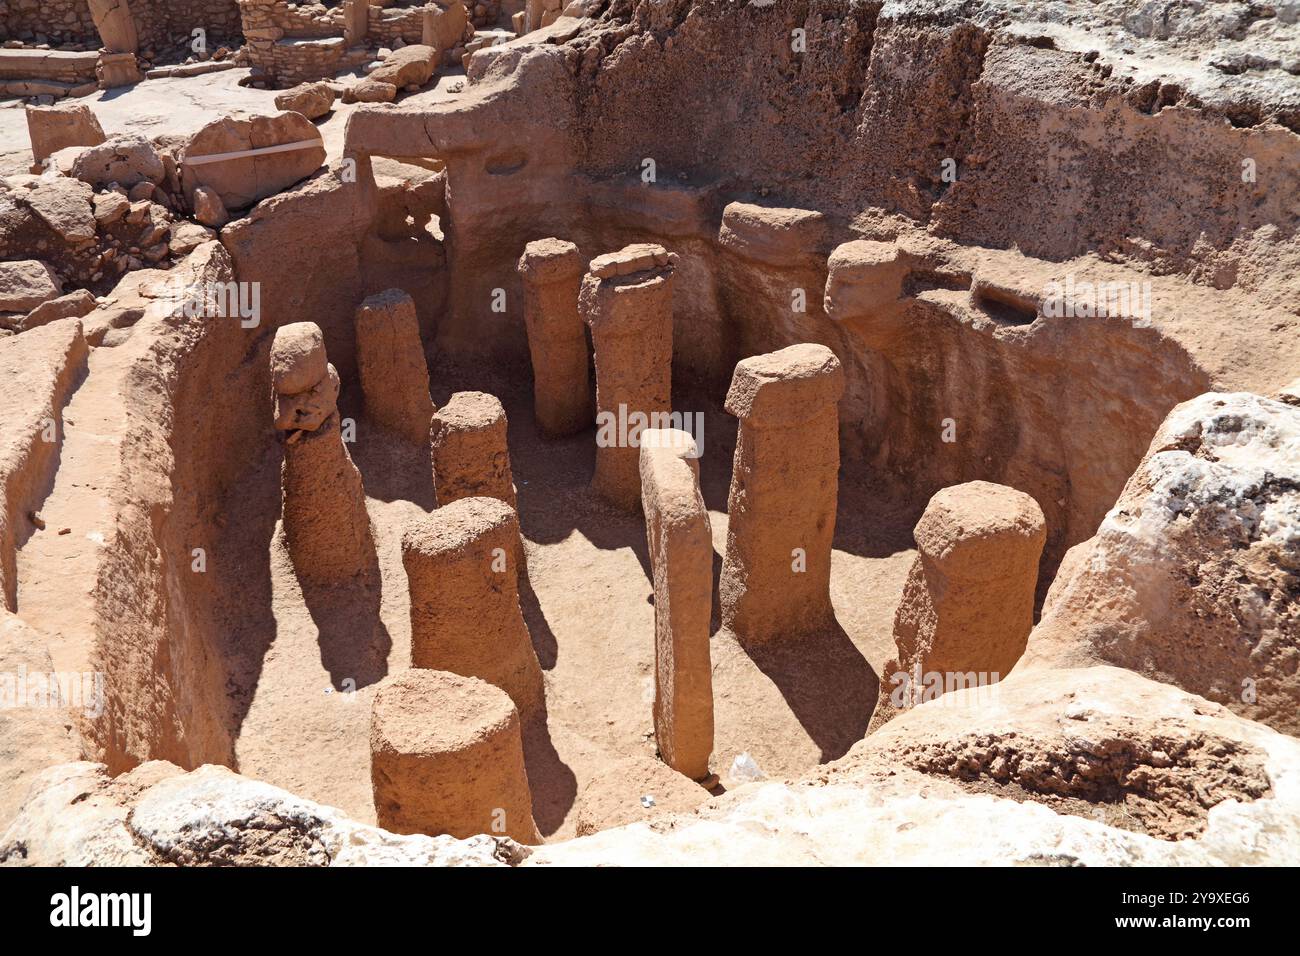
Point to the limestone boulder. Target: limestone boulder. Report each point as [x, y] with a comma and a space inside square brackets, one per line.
[56, 127]
[312, 100]
[71, 306]
[126, 159]
[370, 90]
[25, 284]
[158, 815]
[1192, 576]
[273, 152]
[65, 205]
[410, 66]
[444, 26]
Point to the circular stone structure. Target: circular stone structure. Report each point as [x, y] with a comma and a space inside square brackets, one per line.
[446, 756]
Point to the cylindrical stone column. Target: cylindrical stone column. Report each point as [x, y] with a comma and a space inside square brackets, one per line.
[781, 508]
[968, 604]
[446, 756]
[390, 362]
[681, 554]
[627, 301]
[552, 274]
[462, 568]
[471, 456]
[326, 527]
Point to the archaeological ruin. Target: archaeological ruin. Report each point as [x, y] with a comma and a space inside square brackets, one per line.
[523, 433]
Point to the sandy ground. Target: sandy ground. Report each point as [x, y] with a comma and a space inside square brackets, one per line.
[588, 603]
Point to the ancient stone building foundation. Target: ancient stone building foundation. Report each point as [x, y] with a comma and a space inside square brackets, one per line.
[776, 575]
[446, 756]
[462, 569]
[627, 301]
[681, 554]
[552, 274]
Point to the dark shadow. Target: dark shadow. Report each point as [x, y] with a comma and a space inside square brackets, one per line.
[391, 467]
[830, 687]
[354, 643]
[553, 784]
[539, 628]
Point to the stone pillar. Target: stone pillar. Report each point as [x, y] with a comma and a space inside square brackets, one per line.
[446, 756]
[552, 275]
[52, 128]
[627, 301]
[390, 362]
[776, 575]
[471, 457]
[356, 22]
[462, 567]
[681, 554]
[116, 26]
[443, 29]
[968, 604]
[326, 525]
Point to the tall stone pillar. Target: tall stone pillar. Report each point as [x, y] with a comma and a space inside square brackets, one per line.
[776, 575]
[326, 526]
[356, 22]
[552, 276]
[462, 567]
[627, 301]
[470, 452]
[391, 365]
[681, 554]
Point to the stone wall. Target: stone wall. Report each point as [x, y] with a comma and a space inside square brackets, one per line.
[164, 23]
[159, 23]
[47, 21]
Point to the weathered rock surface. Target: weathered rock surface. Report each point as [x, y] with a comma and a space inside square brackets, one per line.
[1194, 576]
[56, 127]
[1047, 774]
[25, 284]
[125, 159]
[159, 815]
[241, 181]
[312, 100]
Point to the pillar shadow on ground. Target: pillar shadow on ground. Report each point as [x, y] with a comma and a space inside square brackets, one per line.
[354, 642]
[829, 686]
[553, 784]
